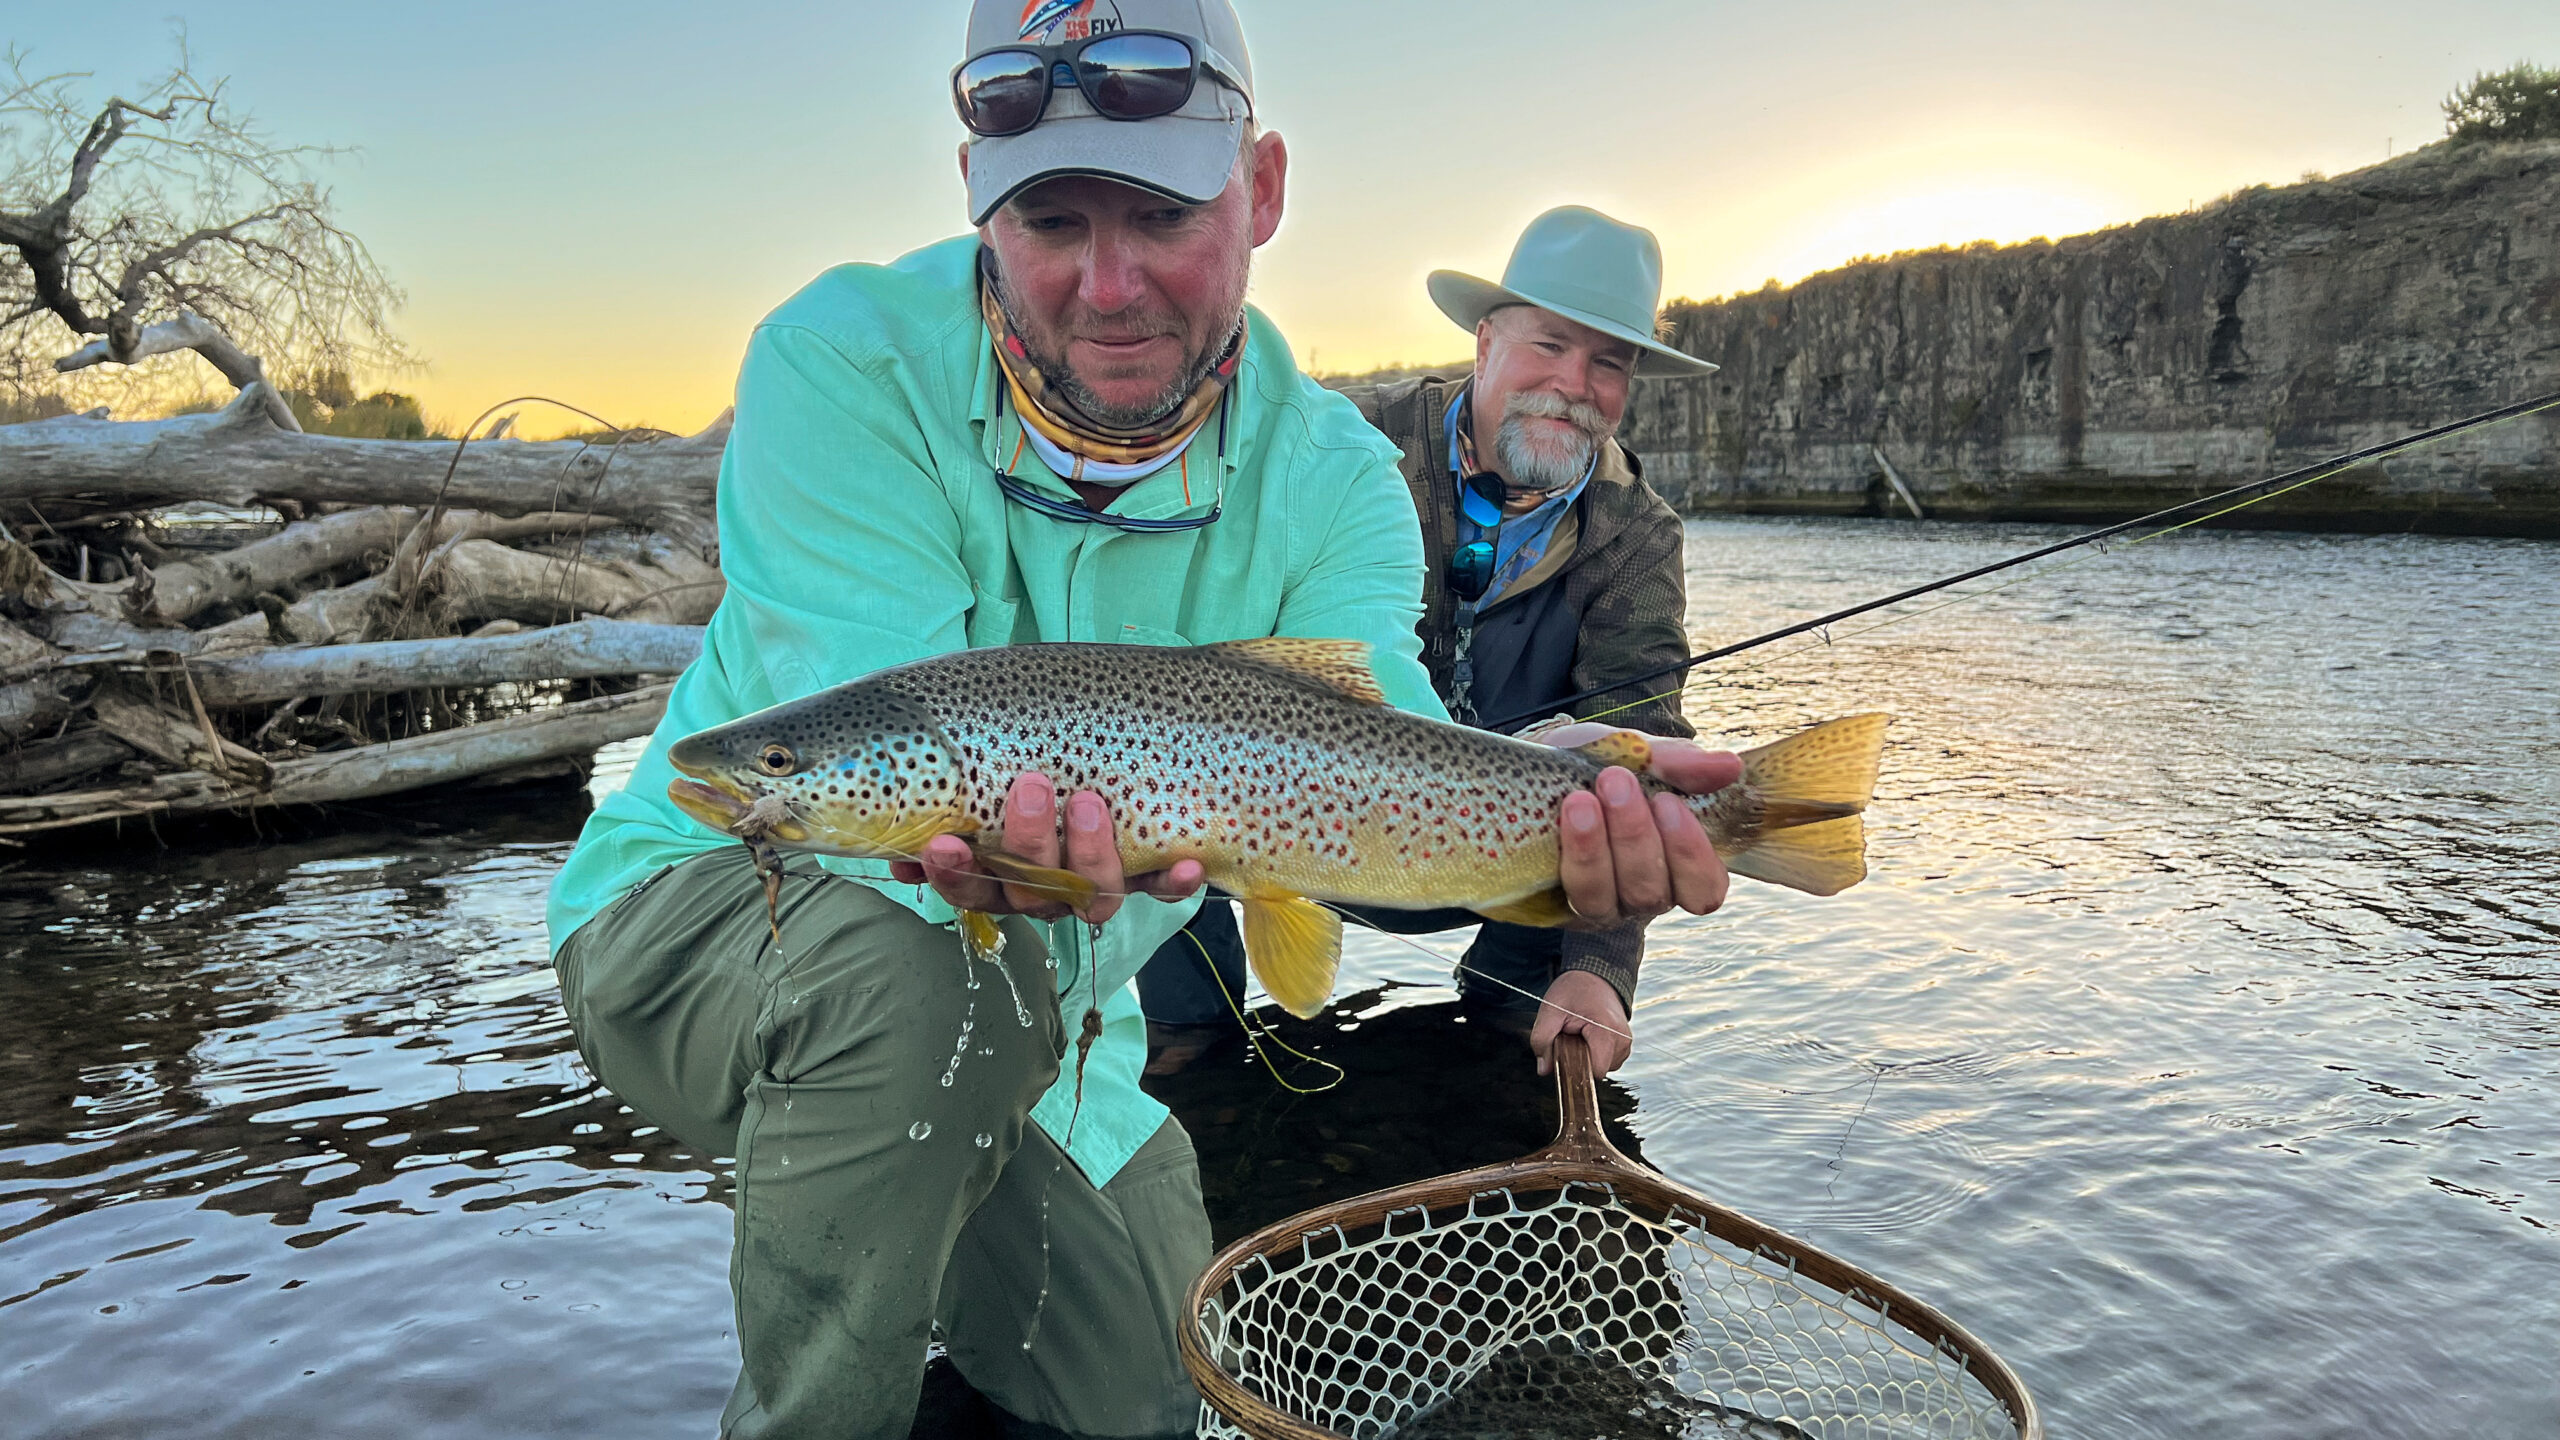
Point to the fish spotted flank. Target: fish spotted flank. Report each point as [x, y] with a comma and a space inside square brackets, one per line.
[1276, 764]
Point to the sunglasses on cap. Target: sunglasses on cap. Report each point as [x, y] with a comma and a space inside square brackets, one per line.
[1470, 571]
[1124, 74]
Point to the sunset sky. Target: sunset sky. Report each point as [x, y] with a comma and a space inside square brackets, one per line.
[597, 201]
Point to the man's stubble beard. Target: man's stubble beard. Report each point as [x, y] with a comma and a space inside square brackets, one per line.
[1196, 364]
[1537, 465]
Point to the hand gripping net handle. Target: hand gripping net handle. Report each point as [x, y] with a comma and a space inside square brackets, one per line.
[1356, 1319]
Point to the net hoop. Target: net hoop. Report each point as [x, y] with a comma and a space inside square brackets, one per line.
[1580, 1156]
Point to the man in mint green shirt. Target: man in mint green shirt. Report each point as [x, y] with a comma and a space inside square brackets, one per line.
[1066, 427]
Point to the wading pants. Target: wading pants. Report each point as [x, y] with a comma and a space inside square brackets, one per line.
[873, 1195]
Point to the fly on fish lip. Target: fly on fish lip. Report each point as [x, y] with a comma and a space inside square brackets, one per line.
[769, 813]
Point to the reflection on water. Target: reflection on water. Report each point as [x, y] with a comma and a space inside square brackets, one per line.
[2195, 1041]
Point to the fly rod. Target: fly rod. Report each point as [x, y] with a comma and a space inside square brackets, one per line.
[2249, 493]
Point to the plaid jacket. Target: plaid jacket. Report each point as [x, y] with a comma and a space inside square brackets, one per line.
[1625, 577]
[1625, 580]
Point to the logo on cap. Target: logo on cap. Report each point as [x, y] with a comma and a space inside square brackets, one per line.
[1050, 21]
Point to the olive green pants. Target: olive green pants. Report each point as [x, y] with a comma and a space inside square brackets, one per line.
[874, 1084]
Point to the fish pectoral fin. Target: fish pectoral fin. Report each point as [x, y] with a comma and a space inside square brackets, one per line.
[980, 933]
[1294, 946]
[1823, 858]
[1620, 747]
[1546, 909]
[1065, 886]
[1341, 666]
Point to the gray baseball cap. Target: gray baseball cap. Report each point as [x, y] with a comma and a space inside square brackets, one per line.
[1186, 155]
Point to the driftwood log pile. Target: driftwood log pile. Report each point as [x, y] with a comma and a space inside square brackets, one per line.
[214, 613]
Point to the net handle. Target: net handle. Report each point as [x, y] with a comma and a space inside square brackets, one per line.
[1579, 1137]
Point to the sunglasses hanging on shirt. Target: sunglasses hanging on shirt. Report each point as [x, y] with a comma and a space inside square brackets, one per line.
[1471, 565]
[1124, 74]
[1057, 509]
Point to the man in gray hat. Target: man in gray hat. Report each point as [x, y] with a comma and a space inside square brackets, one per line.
[1067, 426]
[1551, 568]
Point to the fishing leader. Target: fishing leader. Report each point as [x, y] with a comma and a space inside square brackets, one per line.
[1553, 571]
[1067, 426]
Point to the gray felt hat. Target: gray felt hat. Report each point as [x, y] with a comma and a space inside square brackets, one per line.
[1186, 154]
[1586, 267]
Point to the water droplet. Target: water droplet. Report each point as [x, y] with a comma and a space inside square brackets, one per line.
[919, 1130]
[984, 1140]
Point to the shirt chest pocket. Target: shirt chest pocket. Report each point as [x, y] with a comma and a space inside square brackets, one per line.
[1149, 635]
[992, 619]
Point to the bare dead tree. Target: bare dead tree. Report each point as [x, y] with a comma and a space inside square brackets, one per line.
[133, 228]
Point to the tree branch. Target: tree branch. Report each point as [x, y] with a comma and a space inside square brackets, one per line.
[579, 728]
[190, 331]
[585, 650]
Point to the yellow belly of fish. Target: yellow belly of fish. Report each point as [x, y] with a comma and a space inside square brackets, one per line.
[1288, 881]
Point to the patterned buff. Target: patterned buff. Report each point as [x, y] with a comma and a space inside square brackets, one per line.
[1057, 419]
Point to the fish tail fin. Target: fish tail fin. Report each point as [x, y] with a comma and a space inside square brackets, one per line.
[1812, 786]
[1294, 946]
[1819, 859]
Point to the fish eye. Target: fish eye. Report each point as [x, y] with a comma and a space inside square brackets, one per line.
[777, 760]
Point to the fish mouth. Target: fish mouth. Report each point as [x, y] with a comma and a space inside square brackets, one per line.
[717, 805]
[711, 796]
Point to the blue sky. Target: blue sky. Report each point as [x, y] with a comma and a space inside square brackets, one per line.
[597, 201]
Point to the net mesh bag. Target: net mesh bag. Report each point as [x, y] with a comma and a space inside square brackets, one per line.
[1572, 1294]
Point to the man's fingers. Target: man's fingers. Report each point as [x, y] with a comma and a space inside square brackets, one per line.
[1174, 882]
[1031, 819]
[1094, 853]
[1608, 1052]
[1542, 1035]
[1684, 767]
[1585, 1005]
[1582, 858]
[1698, 878]
[1569, 737]
[1031, 834]
[1635, 847]
[947, 865]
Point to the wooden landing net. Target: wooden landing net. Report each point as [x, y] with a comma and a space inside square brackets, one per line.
[1573, 1293]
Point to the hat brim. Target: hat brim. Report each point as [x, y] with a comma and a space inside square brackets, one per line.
[1467, 300]
[1185, 157]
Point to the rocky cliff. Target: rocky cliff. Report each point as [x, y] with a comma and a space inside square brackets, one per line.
[2107, 374]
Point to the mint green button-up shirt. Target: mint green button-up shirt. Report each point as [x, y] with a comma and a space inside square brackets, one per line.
[860, 527]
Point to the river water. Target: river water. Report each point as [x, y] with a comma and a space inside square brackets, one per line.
[2196, 1040]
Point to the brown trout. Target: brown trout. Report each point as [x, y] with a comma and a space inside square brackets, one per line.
[1276, 764]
